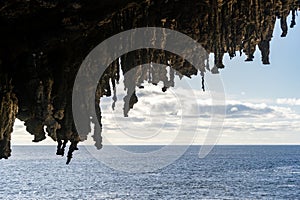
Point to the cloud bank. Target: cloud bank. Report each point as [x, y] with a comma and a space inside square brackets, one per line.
[158, 116]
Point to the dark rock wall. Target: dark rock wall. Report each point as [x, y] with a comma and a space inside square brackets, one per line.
[43, 43]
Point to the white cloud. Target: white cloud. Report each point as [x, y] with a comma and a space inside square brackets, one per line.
[234, 109]
[289, 101]
[165, 113]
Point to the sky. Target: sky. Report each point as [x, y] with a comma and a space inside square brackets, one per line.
[262, 105]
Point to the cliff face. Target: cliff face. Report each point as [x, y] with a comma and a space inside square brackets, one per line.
[43, 43]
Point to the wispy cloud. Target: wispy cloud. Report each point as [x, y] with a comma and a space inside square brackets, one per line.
[289, 101]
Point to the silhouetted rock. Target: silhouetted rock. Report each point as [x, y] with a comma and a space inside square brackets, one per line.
[44, 42]
[8, 112]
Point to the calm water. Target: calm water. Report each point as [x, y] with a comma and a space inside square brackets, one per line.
[229, 172]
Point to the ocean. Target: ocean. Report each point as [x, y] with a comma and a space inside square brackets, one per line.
[228, 172]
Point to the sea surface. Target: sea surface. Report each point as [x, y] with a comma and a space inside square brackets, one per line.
[228, 172]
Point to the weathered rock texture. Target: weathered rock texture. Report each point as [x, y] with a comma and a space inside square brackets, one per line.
[43, 43]
[8, 112]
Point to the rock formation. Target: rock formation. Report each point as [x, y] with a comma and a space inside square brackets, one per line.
[43, 43]
[8, 111]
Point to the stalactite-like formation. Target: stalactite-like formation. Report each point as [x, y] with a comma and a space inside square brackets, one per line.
[8, 111]
[43, 43]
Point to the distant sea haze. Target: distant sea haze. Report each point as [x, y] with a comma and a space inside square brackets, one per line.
[228, 172]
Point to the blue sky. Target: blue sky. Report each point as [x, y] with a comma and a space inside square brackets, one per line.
[263, 104]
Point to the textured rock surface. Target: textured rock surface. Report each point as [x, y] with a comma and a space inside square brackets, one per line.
[8, 112]
[43, 43]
